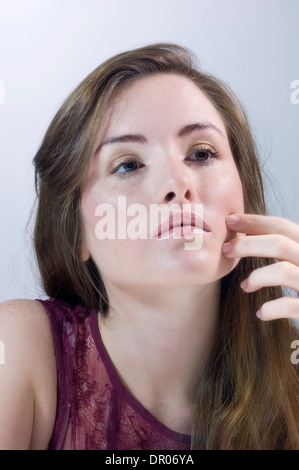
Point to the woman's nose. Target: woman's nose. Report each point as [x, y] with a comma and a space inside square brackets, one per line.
[176, 196]
[177, 185]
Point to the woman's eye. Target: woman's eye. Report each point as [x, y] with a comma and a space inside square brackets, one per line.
[127, 166]
[201, 155]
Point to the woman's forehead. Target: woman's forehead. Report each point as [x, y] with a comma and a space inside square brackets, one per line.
[157, 103]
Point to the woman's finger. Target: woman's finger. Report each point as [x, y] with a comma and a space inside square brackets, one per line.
[265, 246]
[253, 224]
[282, 273]
[285, 307]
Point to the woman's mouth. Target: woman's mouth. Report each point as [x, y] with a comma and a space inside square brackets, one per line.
[181, 224]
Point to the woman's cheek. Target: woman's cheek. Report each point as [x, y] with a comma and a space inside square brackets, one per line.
[228, 199]
[231, 195]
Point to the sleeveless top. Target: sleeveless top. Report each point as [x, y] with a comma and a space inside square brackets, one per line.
[94, 409]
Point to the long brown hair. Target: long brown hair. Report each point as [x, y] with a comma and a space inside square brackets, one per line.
[247, 394]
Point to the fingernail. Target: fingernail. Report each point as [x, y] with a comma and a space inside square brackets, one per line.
[244, 284]
[233, 219]
[227, 247]
[259, 313]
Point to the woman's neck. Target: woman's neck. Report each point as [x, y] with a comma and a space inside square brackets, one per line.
[158, 340]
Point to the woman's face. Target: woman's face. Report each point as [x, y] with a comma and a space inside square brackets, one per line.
[164, 144]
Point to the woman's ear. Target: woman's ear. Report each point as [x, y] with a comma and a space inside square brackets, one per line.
[85, 255]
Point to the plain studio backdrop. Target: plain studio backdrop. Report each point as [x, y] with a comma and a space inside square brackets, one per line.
[48, 46]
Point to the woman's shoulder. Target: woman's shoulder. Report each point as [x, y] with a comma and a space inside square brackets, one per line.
[21, 310]
[28, 375]
[28, 320]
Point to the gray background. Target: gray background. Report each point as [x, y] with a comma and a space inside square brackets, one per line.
[48, 46]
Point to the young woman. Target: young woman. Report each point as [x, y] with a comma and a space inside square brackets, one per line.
[145, 343]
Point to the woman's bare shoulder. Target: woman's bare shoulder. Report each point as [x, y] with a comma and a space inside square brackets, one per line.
[27, 321]
[27, 375]
[21, 308]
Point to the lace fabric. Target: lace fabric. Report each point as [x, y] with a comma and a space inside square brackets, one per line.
[94, 409]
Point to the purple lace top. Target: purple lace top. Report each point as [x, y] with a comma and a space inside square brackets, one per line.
[94, 409]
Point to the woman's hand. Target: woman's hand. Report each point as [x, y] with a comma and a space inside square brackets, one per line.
[272, 237]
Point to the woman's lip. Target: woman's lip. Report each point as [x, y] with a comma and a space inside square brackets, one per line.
[180, 231]
[186, 220]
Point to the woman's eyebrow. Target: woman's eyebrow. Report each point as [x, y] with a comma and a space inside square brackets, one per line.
[198, 126]
[138, 138]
